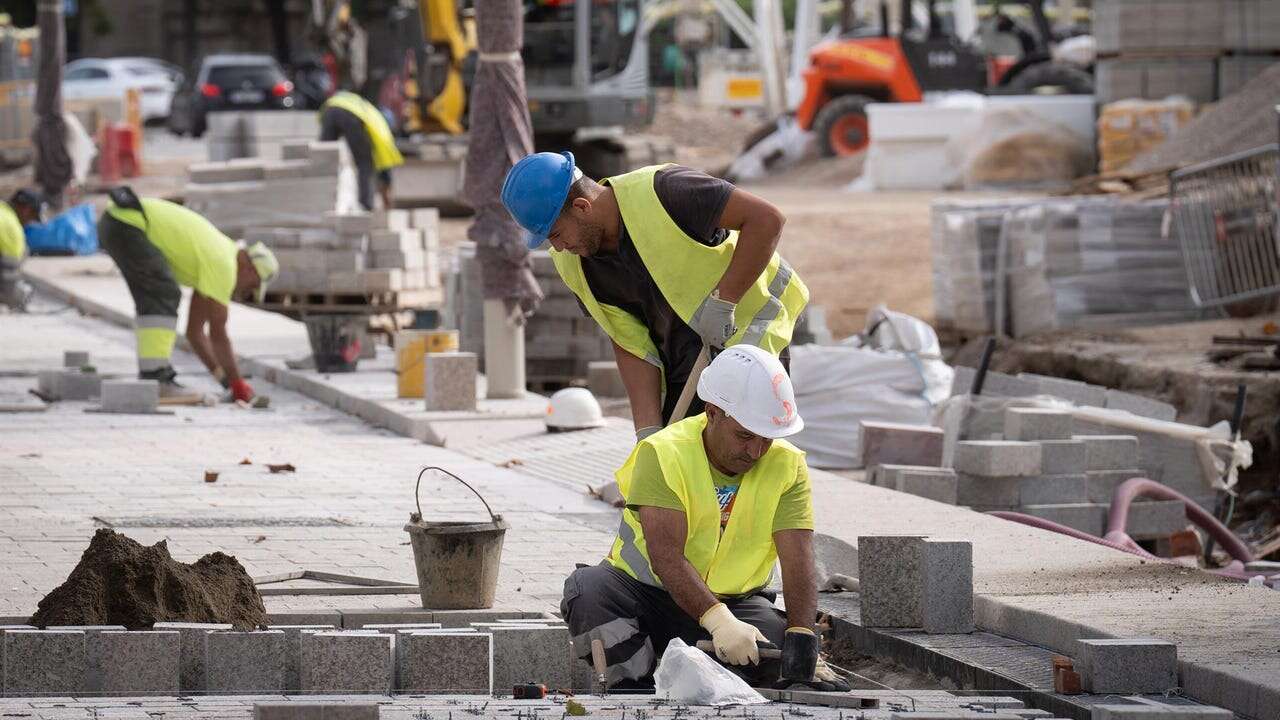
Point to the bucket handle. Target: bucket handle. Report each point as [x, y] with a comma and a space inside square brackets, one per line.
[418, 503]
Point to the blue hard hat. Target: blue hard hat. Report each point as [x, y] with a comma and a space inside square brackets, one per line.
[535, 190]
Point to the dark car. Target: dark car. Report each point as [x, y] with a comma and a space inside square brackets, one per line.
[230, 82]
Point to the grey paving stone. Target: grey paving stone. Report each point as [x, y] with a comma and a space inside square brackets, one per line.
[315, 711]
[997, 458]
[191, 651]
[890, 475]
[1159, 712]
[995, 384]
[1151, 519]
[44, 662]
[886, 443]
[1142, 406]
[138, 662]
[345, 662]
[355, 619]
[1054, 489]
[449, 381]
[1110, 452]
[1103, 483]
[1031, 424]
[1080, 393]
[452, 661]
[988, 493]
[889, 577]
[245, 662]
[1127, 666]
[130, 396]
[1063, 457]
[293, 640]
[1088, 518]
[946, 590]
[75, 359]
[940, 484]
[530, 654]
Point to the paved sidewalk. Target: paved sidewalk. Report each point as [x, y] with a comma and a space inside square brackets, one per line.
[1033, 585]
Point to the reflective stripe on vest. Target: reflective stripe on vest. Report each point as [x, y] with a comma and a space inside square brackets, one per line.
[385, 153]
[741, 560]
[686, 272]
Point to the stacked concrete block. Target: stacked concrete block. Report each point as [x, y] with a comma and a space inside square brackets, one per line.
[1127, 666]
[1139, 405]
[1054, 489]
[1236, 71]
[136, 663]
[889, 579]
[995, 384]
[245, 662]
[226, 172]
[445, 662]
[1251, 26]
[1155, 519]
[530, 654]
[997, 458]
[1080, 393]
[886, 443]
[1102, 484]
[939, 484]
[1109, 452]
[345, 662]
[1155, 48]
[315, 711]
[130, 396]
[75, 359]
[1151, 711]
[946, 586]
[1064, 457]
[44, 662]
[1033, 424]
[1088, 518]
[191, 651]
[73, 384]
[449, 381]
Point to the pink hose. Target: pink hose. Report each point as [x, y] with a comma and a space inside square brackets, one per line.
[1041, 523]
[1133, 488]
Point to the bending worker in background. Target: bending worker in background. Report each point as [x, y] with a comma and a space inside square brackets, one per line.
[158, 246]
[348, 116]
[667, 260]
[712, 502]
[22, 209]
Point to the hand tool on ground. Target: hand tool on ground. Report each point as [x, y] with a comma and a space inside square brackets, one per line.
[799, 654]
[529, 691]
[690, 386]
[768, 651]
[601, 667]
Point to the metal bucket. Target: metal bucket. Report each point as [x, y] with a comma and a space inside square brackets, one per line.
[457, 562]
[335, 341]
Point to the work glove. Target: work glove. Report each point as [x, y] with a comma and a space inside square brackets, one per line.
[646, 431]
[799, 654]
[734, 640]
[241, 390]
[713, 320]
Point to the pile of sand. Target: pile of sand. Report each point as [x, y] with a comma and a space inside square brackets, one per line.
[120, 582]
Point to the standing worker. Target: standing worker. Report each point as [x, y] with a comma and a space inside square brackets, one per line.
[158, 246]
[712, 501]
[668, 260]
[22, 209]
[348, 116]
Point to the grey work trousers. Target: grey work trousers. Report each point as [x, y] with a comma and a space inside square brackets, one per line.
[635, 622]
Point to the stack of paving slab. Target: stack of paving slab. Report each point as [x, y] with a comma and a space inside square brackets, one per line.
[561, 341]
[1025, 267]
[356, 252]
[258, 133]
[310, 179]
[479, 657]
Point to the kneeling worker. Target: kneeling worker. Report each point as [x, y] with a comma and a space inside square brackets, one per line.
[22, 209]
[159, 245]
[712, 502]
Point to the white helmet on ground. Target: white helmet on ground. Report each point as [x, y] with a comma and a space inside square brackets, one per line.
[752, 387]
[573, 408]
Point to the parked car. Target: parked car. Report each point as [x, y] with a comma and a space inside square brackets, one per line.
[113, 77]
[230, 82]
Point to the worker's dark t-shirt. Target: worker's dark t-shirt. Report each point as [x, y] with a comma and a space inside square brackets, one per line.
[694, 200]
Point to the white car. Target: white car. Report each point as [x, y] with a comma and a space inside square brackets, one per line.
[98, 78]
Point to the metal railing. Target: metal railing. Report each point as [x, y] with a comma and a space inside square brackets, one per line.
[1223, 213]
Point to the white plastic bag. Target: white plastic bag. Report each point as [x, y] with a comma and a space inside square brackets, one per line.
[689, 676]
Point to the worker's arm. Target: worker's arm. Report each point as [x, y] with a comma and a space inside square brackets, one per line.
[206, 311]
[799, 583]
[643, 382]
[197, 320]
[759, 225]
[665, 532]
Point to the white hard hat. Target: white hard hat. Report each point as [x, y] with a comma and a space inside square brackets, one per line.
[574, 408]
[752, 387]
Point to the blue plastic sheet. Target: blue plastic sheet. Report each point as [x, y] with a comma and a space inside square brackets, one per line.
[74, 232]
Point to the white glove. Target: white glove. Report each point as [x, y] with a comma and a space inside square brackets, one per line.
[734, 640]
[713, 321]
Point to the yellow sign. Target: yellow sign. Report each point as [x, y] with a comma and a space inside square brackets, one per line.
[744, 88]
[862, 54]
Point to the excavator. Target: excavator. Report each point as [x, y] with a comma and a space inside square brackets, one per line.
[586, 77]
[863, 66]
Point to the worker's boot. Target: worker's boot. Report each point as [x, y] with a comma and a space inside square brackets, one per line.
[169, 386]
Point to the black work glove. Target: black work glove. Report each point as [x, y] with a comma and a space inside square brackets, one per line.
[799, 654]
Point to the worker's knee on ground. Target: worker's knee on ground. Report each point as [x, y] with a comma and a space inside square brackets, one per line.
[587, 591]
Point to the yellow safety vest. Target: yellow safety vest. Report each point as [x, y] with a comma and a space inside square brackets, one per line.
[686, 271]
[199, 255]
[13, 241]
[385, 153]
[741, 560]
